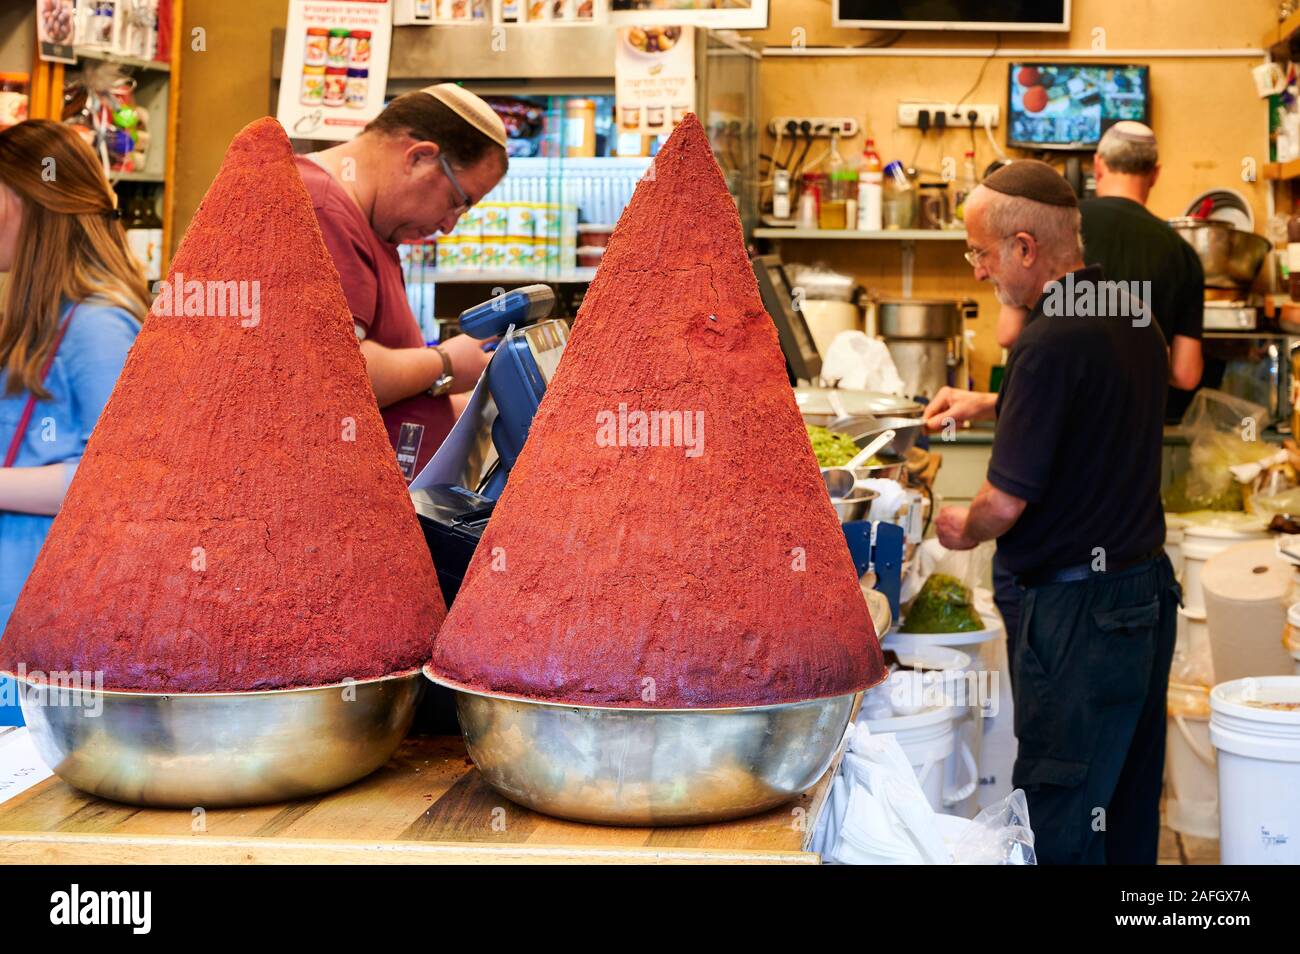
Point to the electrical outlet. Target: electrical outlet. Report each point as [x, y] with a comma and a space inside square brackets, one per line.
[909, 111]
[821, 125]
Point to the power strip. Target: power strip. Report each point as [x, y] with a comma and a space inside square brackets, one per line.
[909, 113]
[821, 125]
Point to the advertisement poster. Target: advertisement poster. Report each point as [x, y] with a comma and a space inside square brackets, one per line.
[55, 28]
[654, 78]
[441, 12]
[335, 67]
[720, 14]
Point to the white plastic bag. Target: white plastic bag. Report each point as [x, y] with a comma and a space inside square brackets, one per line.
[861, 363]
[999, 835]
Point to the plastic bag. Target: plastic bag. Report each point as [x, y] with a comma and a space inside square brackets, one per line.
[1287, 502]
[999, 835]
[1223, 431]
[974, 567]
[861, 363]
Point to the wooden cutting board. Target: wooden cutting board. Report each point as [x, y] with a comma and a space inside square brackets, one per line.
[428, 805]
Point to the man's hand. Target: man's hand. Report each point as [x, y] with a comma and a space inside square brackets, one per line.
[950, 526]
[955, 404]
[468, 359]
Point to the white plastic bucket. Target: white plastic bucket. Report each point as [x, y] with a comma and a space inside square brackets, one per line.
[927, 739]
[1259, 770]
[1191, 769]
[1193, 658]
[1202, 541]
[961, 772]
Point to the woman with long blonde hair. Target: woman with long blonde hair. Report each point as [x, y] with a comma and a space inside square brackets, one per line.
[70, 307]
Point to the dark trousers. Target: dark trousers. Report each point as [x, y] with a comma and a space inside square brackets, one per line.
[1007, 594]
[1090, 671]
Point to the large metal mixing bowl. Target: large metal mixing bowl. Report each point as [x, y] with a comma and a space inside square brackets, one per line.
[649, 767]
[217, 749]
[1230, 257]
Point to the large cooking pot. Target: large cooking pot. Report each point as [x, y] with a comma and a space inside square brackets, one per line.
[1230, 257]
[919, 318]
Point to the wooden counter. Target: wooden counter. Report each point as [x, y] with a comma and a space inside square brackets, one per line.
[428, 805]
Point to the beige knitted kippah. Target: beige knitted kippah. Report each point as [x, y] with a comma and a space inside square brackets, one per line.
[1127, 130]
[470, 108]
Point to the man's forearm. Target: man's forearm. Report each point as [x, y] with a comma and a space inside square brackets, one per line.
[992, 514]
[33, 490]
[399, 373]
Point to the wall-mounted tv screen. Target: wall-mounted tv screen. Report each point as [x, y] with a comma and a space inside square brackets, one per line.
[1069, 105]
[1023, 15]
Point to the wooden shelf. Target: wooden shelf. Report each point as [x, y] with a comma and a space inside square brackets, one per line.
[886, 235]
[501, 276]
[157, 177]
[1281, 31]
[1282, 171]
[92, 54]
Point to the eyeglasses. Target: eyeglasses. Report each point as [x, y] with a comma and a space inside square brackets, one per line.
[973, 255]
[461, 194]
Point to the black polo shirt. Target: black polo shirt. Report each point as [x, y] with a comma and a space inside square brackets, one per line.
[1080, 426]
[1131, 244]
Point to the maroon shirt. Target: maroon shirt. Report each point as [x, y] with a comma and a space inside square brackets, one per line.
[371, 272]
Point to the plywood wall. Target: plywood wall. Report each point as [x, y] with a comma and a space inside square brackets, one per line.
[1204, 111]
[224, 87]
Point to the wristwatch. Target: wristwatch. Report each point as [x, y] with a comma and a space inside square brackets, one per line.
[443, 384]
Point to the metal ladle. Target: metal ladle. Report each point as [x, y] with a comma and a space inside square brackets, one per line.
[839, 481]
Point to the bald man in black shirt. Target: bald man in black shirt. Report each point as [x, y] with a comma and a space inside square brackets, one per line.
[1073, 500]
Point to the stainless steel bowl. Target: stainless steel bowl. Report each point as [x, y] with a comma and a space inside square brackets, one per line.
[1230, 257]
[648, 767]
[855, 506]
[887, 470]
[216, 749]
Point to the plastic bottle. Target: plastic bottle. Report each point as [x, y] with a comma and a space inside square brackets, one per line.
[871, 180]
[969, 181]
[810, 193]
[1293, 254]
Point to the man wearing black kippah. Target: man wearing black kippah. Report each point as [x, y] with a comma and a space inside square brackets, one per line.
[1073, 500]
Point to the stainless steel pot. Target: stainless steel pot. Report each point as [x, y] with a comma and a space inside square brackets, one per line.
[1230, 257]
[919, 318]
[619, 766]
[826, 406]
[215, 749]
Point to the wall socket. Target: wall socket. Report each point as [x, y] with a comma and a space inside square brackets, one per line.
[821, 125]
[908, 112]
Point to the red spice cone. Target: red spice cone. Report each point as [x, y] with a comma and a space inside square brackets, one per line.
[238, 520]
[642, 576]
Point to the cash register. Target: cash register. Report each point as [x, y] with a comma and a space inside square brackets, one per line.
[455, 494]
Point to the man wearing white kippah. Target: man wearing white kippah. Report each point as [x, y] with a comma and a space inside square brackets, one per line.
[414, 170]
[1132, 245]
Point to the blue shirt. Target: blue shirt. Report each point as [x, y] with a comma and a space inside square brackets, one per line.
[85, 368]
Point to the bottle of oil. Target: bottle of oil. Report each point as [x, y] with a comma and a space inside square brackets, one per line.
[841, 185]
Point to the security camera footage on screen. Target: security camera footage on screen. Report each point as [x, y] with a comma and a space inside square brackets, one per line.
[1069, 105]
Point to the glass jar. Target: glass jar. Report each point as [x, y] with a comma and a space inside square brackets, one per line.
[13, 98]
[899, 202]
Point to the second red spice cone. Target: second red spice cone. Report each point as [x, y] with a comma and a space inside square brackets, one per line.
[238, 521]
[665, 539]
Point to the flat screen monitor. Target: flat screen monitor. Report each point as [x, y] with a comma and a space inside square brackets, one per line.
[1022, 15]
[1070, 105]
